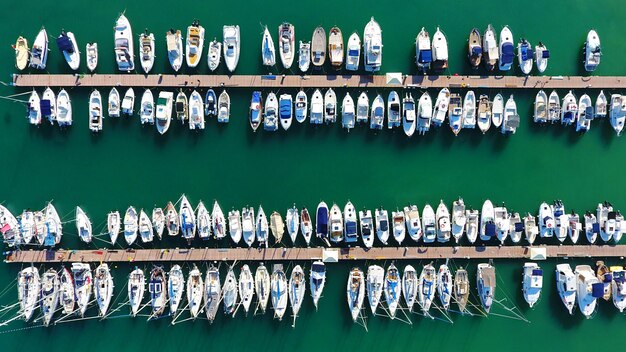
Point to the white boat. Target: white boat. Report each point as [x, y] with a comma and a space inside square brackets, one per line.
[164, 111]
[444, 286]
[321, 222]
[592, 227]
[491, 52]
[67, 298]
[506, 49]
[541, 107]
[474, 48]
[497, 110]
[487, 224]
[68, 46]
[196, 111]
[28, 289]
[593, 51]
[554, 107]
[195, 292]
[279, 292]
[277, 226]
[317, 108]
[618, 287]
[286, 44]
[231, 46]
[618, 112]
[472, 225]
[486, 285]
[585, 114]
[124, 47]
[574, 228]
[377, 118]
[285, 110]
[27, 226]
[336, 224]
[589, 289]
[146, 231]
[306, 226]
[219, 222]
[532, 282]
[39, 51]
[399, 229]
[172, 221]
[187, 219]
[293, 223]
[212, 292]
[561, 221]
[9, 227]
[459, 219]
[268, 52]
[546, 220]
[484, 113]
[34, 109]
[128, 103]
[353, 52]
[304, 56]
[83, 226]
[606, 220]
[469, 110]
[525, 56]
[95, 111]
[174, 42]
[456, 113]
[372, 46]
[300, 106]
[146, 110]
[234, 226]
[443, 223]
[214, 54]
[413, 223]
[367, 228]
[297, 289]
[441, 107]
[393, 289]
[223, 107]
[52, 223]
[426, 288]
[461, 289]
[83, 282]
[146, 57]
[382, 225]
[516, 227]
[158, 293]
[330, 106]
[92, 56]
[103, 288]
[502, 220]
[48, 105]
[136, 289]
[262, 228]
[262, 286]
[131, 225]
[317, 280]
[348, 112]
[114, 103]
[566, 286]
[394, 111]
[424, 113]
[408, 115]
[355, 292]
[246, 287]
[114, 225]
[362, 108]
[569, 113]
[270, 114]
[247, 226]
[410, 284]
[601, 105]
[194, 44]
[175, 287]
[230, 293]
[440, 51]
[63, 109]
[335, 47]
[21, 53]
[542, 55]
[511, 120]
[423, 52]
[429, 224]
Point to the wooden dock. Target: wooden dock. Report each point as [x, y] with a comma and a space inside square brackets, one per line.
[316, 81]
[299, 254]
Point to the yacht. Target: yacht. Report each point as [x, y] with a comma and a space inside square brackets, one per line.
[484, 113]
[336, 224]
[408, 115]
[268, 52]
[532, 282]
[593, 51]
[196, 111]
[355, 292]
[279, 292]
[234, 226]
[566, 286]
[444, 286]
[382, 225]
[68, 46]
[592, 227]
[506, 49]
[124, 48]
[525, 56]
[459, 219]
[321, 222]
[554, 107]
[461, 289]
[286, 44]
[410, 284]
[561, 221]
[456, 113]
[306, 226]
[92, 56]
[423, 54]
[574, 228]
[618, 112]
[353, 52]
[392, 287]
[163, 113]
[486, 285]
[511, 120]
[285, 111]
[585, 114]
[372, 46]
[231, 46]
[443, 223]
[293, 223]
[246, 287]
[363, 106]
[174, 43]
[546, 220]
[95, 111]
[39, 51]
[247, 226]
[618, 287]
[497, 110]
[350, 223]
[424, 113]
[393, 110]
[399, 230]
[429, 224]
[502, 220]
[589, 289]
[146, 109]
[472, 225]
[427, 286]
[440, 51]
[441, 107]
[490, 48]
[146, 57]
[270, 113]
[317, 108]
[330, 106]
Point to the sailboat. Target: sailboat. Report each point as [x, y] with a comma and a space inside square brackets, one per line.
[423, 55]
[409, 286]
[506, 49]
[593, 51]
[68, 46]
[230, 293]
[268, 52]
[393, 289]
[234, 226]
[353, 52]
[246, 287]
[187, 219]
[214, 54]
[92, 56]
[231, 46]
[53, 225]
[317, 278]
[427, 286]
[355, 292]
[195, 291]
[103, 288]
[472, 225]
[486, 285]
[461, 289]
[67, 298]
[158, 221]
[219, 222]
[145, 227]
[247, 225]
[262, 286]
[114, 225]
[277, 226]
[194, 44]
[293, 223]
[306, 225]
[83, 282]
[286, 44]
[28, 289]
[444, 286]
[372, 46]
[158, 292]
[146, 42]
[83, 226]
[262, 228]
[172, 222]
[175, 288]
[297, 288]
[39, 51]
[532, 282]
[212, 292]
[136, 289]
[491, 50]
[174, 42]
[124, 47]
[304, 56]
[279, 292]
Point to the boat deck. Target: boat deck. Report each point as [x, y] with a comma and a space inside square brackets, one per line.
[297, 254]
[315, 81]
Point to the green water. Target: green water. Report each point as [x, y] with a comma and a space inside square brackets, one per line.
[127, 164]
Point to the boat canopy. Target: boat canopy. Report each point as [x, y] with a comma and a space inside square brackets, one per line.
[537, 272]
[65, 44]
[353, 52]
[507, 53]
[597, 290]
[477, 51]
[285, 108]
[256, 97]
[322, 220]
[607, 278]
[527, 53]
[545, 54]
[46, 108]
[350, 228]
[595, 228]
[490, 229]
[425, 56]
[519, 227]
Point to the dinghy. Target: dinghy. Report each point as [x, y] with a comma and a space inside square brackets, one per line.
[297, 288]
[174, 42]
[124, 47]
[175, 288]
[541, 107]
[195, 291]
[444, 286]
[353, 52]
[39, 51]
[223, 107]
[68, 46]
[67, 298]
[593, 51]
[196, 111]
[335, 48]
[511, 119]
[63, 109]
[268, 52]
[83, 282]
[214, 54]
[408, 115]
[355, 292]
[601, 105]
[372, 46]
[330, 106]
[469, 110]
[393, 110]
[367, 228]
[487, 224]
[318, 47]
[83, 226]
[286, 44]
[164, 111]
[246, 287]
[212, 292]
[131, 225]
[114, 224]
[33, 112]
[429, 224]
[442, 105]
[585, 114]
[569, 113]
[234, 225]
[95, 111]
[248, 230]
[187, 220]
[136, 289]
[262, 286]
[554, 107]
[423, 54]
[262, 228]
[128, 103]
[146, 40]
[146, 112]
[589, 289]
[424, 113]
[92, 56]
[230, 293]
[103, 288]
[306, 226]
[270, 113]
[304, 56]
[497, 111]
[486, 285]
[393, 289]
[28, 287]
[491, 51]
[145, 227]
[618, 113]
[231, 46]
[194, 45]
[47, 105]
[377, 118]
[542, 54]
[285, 110]
[49, 296]
[426, 288]
[21, 53]
[409, 286]
[456, 113]
[158, 221]
[440, 51]
[317, 278]
[566, 286]
[158, 293]
[525, 56]
[475, 49]
[506, 49]
[279, 292]
[347, 113]
[256, 105]
[172, 222]
[484, 113]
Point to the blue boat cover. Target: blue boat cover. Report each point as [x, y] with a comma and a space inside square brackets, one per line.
[285, 109]
[607, 278]
[256, 97]
[537, 272]
[519, 227]
[384, 226]
[527, 53]
[350, 228]
[426, 56]
[322, 220]
[545, 54]
[378, 111]
[597, 290]
[46, 108]
[490, 229]
[476, 51]
[507, 53]
[558, 212]
[619, 277]
[353, 53]
[64, 43]
[595, 228]
[49, 240]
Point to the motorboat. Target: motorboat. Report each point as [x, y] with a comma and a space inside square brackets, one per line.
[429, 224]
[256, 105]
[486, 285]
[95, 111]
[175, 287]
[146, 110]
[601, 105]
[569, 112]
[194, 46]
[158, 291]
[440, 51]
[592, 227]
[474, 48]
[456, 113]
[285, 111]
[487, 221]
[210, 103]
[158, 221]
[423, 54]
[410, 283]
[459, 219]
[262, 284]
[270, 118]
[469, 110]
[589, 289]
[317, 108]
[506, 49]
[502, 220]
[131, 225]
[574, 228]
[195, 291]
[218, 221]
[399, 230]
[146, 231]
[392, 286]
[491, 51]
[306, 226]
[21, 53]
[83, 282]
[63, 109]
[461, 289]
[532, 282]
[103, 288]
[279, 292]
[330, 106]
[286, 44]
[606, 220]
[546, 220]
[347, 112]
[525, 56]
[585, 114]
[335, 48]
[426, 288]
[231, 46]
[542, 55]
[517, 227]
[561, 221]
[163, 113]
[355, 292]
[203, 221]
[292, 218]
[472, 225]
[277, 226]
[248, 229]
[136, 289]
[350, 234]
[124, 47]
[604, 276]
[128, 103]
[362, 108]
[484, 113]
[377, 118]
[382, 225]
[52, 223]
[442, 105]
[234, 226]
[317, 278]
[196, 111]
[618, 287]
[300, 106]
[114, 103]
[554, 107]
[444, 286]
[353, 52]
[372, 46]
[172, 220]
[28, 290]
[262, 229]
[39, 51]
[541, 107]
[48, 105]
[318, 47]
[497, 110]
[566, 285]
[443, 223]
[214, 54]
[367, 228]
[593, 51]
[268, 52]
[408, 115]
[393, 110]
[92, 56]
[83, 226]
[66, 42]
[297, 288]
[67, 298]
[146, 42]
[187, 219]
[230, 293]
[618, 112]
[223, 107]
[304, 56]
[335, 224]
[424, 113]
[511, 120]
